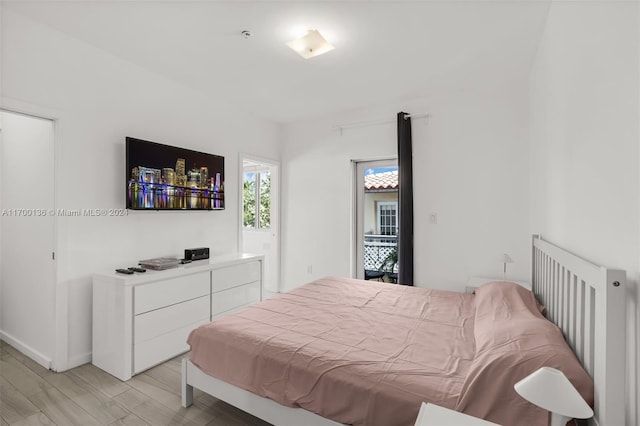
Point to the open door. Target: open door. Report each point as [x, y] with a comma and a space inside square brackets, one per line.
[27, 306]
[260, 221]
[376, 252]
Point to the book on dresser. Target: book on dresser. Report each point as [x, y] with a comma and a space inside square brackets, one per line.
[142, 320]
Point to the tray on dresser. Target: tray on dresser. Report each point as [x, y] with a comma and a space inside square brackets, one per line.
[160, 263]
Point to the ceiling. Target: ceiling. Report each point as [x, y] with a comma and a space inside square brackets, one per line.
[385, 51]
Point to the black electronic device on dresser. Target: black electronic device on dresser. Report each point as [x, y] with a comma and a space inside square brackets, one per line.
[196, 253]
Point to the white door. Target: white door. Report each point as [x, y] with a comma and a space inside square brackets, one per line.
[376, 186]
[27, 273]
[260, 219]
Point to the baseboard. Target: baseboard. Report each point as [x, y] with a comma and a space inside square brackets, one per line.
[26, 350]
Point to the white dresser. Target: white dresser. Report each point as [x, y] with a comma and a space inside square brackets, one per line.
[144, 319]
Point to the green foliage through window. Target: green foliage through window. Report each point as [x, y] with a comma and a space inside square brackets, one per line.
[249, 202]
[257, 185]
[265, 200]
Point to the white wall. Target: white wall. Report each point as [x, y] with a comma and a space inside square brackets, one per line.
[97, 100]
[584, 144]
[470, 167]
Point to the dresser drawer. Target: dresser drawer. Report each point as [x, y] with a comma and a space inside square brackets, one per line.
[156, 295]
[232, 276]
[154, 351]
[231, 298]
[161, 321]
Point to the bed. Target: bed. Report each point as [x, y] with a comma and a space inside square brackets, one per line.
[342, 351]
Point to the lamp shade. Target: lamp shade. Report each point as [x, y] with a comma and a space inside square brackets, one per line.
[550, 389]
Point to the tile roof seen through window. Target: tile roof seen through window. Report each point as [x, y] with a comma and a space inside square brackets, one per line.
[381, 181]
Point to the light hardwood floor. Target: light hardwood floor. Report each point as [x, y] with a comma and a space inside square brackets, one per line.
[86, 395]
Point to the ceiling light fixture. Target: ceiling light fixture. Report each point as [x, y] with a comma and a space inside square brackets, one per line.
[310, 44]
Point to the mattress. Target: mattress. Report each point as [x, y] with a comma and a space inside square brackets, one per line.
[357, 352]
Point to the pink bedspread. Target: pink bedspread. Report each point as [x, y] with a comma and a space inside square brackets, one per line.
[357, 352]
[368, 353]
[513, 340]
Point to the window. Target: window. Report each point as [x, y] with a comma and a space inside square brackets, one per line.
[387, 217]
[257, 199]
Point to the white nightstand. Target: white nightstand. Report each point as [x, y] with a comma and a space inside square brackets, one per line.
[434, 415]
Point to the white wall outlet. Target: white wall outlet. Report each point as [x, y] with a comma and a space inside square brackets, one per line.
[309, 269]
[433, 218]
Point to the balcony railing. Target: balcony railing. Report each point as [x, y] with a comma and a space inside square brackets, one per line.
[376, 249]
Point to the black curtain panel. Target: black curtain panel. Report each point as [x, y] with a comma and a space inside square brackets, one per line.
[405, 201]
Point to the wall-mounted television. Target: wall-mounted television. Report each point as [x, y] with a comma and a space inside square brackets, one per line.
[163, 177]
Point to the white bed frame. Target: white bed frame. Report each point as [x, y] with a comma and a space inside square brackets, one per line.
[586, 301]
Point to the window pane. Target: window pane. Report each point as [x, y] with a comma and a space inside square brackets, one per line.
[265, 200]
[249, 200]
[387, 217]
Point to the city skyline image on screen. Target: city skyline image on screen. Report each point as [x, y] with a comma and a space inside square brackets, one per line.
[164, 177]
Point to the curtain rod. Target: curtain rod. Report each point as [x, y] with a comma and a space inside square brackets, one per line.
[341, 127]
[421, 115]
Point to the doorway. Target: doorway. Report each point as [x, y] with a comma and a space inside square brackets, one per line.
[260, 216]
[376, 239]
[27, 271]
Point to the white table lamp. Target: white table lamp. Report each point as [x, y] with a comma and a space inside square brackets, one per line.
[550, 389]
[506, 259]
